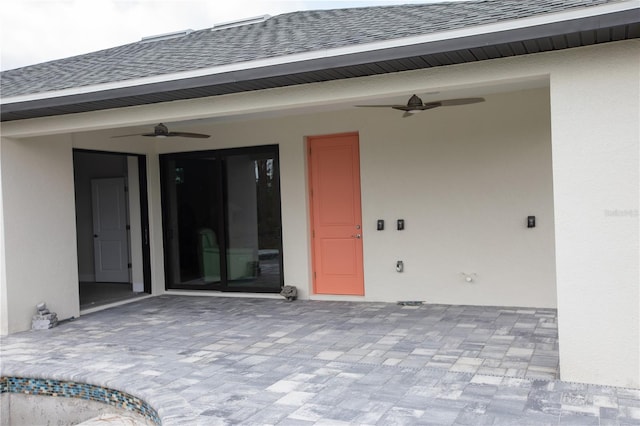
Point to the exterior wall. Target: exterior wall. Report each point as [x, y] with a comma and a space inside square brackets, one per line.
[596, 144]
[40, 237]
[4, 310]
[135, 221]
[464, 179]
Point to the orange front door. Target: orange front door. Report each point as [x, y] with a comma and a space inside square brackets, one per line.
[336, 215]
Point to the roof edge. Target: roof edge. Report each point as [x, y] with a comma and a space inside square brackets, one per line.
[367, 48]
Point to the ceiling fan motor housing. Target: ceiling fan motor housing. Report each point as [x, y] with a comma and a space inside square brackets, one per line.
[414, 102]
[161, 130]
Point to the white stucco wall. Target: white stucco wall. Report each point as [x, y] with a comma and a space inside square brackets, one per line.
[596, 144]
[135, 223]
[40, 238]
[4, 311]
[464, 179]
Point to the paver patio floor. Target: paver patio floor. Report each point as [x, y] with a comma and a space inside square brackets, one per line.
[214, 360]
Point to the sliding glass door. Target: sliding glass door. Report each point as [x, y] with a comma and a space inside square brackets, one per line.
[221, 217]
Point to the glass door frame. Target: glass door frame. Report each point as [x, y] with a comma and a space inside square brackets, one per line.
[221, 195]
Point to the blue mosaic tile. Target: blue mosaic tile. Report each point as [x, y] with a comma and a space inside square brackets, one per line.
[65, 389]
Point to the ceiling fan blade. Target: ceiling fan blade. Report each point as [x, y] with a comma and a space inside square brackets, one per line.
[188, 135]
[431, 105]
[406, 108]
[407, 114]
[461, 101]
[161, 131]
[415, 104]
[381, 106]
[126, 136]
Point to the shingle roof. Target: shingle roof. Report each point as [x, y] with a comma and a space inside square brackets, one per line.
[309, 47]
[277, 36]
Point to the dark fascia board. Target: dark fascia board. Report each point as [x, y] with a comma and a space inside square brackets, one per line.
[628, 17]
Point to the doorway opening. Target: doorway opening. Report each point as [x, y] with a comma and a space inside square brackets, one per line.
[221, 220]
[112, 227]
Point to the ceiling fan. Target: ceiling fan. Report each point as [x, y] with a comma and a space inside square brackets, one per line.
[415, 104]
[162, 131]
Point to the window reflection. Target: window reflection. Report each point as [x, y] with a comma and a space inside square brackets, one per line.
[222, 214]
[253, 219]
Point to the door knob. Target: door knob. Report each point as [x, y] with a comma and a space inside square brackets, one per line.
[357, 236]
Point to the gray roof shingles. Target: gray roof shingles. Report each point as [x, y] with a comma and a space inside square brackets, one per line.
[290, 33]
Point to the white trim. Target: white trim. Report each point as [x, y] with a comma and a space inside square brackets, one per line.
[340, 51]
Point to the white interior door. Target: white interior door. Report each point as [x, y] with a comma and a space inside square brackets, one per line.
[110, 242]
